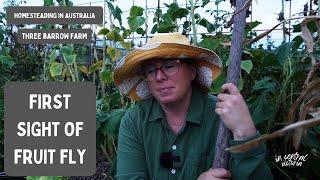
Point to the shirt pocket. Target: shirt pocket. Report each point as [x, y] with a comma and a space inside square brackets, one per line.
[197, 164]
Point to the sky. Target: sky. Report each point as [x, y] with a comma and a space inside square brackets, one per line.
[265, 11]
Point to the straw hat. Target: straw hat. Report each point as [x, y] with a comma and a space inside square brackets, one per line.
[127, 76]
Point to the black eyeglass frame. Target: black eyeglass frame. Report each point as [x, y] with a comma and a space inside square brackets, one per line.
[188, 61]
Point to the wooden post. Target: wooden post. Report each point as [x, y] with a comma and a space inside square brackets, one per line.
[221, 158]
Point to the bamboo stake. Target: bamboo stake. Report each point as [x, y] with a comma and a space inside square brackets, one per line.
[221, 156]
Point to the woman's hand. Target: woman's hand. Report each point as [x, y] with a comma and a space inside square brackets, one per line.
[215, 174]
[234, 112]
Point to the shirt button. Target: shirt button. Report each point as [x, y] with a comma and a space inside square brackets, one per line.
[173, 171]
[174, 147]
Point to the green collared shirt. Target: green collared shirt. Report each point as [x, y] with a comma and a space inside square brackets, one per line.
[145, 134]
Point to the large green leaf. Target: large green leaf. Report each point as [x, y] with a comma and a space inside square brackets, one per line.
[112, 127]
[135, 22]
[53, 56]
[70, 59]
[66, 50]
[126, 32]
[270, 61]
[56, 69]
[166, 27]
[284, 52]
[6, 60]
[95, 66]
[84, 69]
[114, 36]
[180, 13]
[252, 25]
[205, 23]
[103, 117]
[126, 45]
[261, 109]
[246, 65]
[267, 84]
[297, 42]
[175, 12]
[5, 50]
[136, 11]
[103, 31]
[154, 29]
[217, 83]
[117, 14]
[210, 43]
[113, 53]
[110, 6]
[140, 31]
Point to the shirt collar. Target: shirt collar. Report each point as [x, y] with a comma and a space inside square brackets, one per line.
[195, 110]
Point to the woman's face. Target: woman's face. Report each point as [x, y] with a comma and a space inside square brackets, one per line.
[169, 80]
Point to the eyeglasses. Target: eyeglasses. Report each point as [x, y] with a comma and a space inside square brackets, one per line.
[168, 68]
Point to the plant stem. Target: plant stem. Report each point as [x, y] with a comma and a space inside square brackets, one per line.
[70, 70]
[104, 37]
[105, 153]
[175, 21]
[76, 71]
[44, 66]
[193, 24]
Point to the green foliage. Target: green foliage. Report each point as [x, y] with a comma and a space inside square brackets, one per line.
[251, 26]
[205, 23]
[56, 69]
[283, 52]
[246, 65]
[167, 20]
[117, 14]
[70, 59]
[136, 11]
[1, 35]
[267, 84]
[175, 12]
[6, 60]
[113, 53]
[261, 109]
[48, 3]
[94, 67]
[205, 2]
[136, 22]
[103, 31]
[107, 76]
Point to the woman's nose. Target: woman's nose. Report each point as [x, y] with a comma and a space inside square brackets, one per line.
[160, 75]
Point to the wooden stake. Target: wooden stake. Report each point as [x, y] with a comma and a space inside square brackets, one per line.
[221, 158]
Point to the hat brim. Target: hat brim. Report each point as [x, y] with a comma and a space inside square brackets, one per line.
[128, 69]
